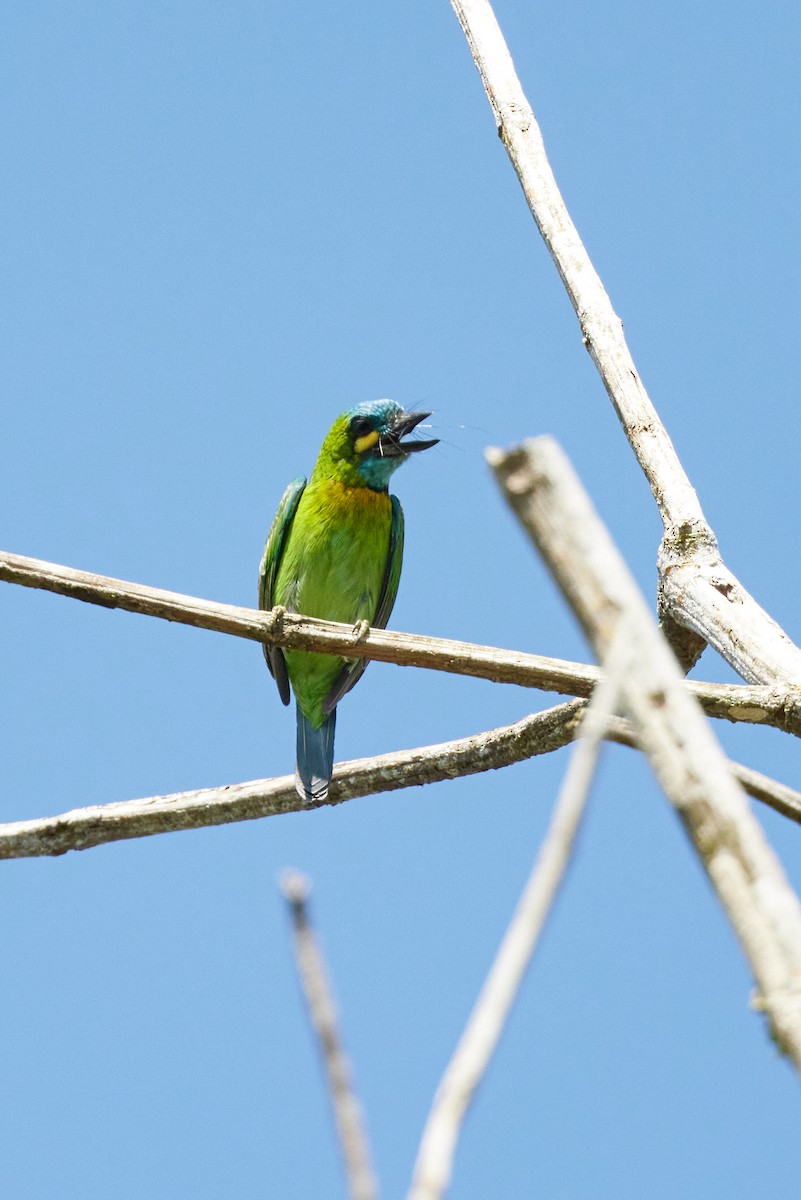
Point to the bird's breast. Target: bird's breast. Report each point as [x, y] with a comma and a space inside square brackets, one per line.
[336, 556]
[340, 515]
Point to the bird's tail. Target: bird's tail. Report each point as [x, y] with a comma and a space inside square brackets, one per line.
[315, 757]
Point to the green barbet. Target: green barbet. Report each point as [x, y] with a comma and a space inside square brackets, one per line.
[334, 551]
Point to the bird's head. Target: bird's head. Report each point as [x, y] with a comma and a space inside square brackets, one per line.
[365, 445]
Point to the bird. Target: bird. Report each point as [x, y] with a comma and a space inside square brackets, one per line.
[334, 551]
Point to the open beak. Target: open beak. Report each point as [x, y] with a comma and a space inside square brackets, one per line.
[391, 444]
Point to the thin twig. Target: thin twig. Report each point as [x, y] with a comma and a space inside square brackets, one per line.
[696, 588]
[542, 733]
[434, 1166]
[548, 498]
[317, 991]
[780, 708]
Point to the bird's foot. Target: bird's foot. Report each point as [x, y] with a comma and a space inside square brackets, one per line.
[276, 614]
[360, 630]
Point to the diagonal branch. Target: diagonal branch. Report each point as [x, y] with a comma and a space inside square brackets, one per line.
[434, 1166]
[778, 796]
[308, 633]
[547, 497]
[756, 705]
[348, 1116]
[93, 826]
[541, 733]
[697, 591]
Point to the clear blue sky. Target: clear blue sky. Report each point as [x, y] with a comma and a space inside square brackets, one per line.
[221, 226]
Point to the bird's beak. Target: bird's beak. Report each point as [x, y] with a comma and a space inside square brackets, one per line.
[390, 444]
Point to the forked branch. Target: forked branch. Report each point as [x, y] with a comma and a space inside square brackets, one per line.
[697, 591]
[548, 498]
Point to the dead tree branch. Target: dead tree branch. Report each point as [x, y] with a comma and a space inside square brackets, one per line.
[434, 1166]
[98, 824]
[761, 705]
[317, 992]
[697, 591]
[547, 497]
[538, 734]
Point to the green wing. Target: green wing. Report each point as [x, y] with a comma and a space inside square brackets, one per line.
[352, 672]
[389, 588]
[268, 573]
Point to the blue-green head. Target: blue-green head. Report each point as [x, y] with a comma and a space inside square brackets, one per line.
[365, 444]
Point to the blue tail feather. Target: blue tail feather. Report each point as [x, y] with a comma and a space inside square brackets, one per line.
[315, 757]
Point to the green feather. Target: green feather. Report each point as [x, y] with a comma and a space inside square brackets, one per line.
[268, 569]
[352, 672]
[333, 565]
[335, 551]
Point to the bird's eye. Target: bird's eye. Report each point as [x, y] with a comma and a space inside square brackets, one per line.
[359, 426]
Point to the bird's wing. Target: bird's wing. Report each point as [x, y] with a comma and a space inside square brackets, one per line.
[352, 672]
[268, 573]
[389, 588]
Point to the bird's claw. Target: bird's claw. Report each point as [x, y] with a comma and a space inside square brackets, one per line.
[360, 630]
[277, 614]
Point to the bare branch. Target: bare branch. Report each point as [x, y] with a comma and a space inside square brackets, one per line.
[601, 328]
[544, 492]
[541, 733]
[778, 796]
[757, 705]
[348, 1117]
[696, 588]
[701, 593]
[98, 824]
[303, 633]
[434, 1166]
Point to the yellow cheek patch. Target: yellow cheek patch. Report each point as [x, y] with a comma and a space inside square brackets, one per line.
[364, 443]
